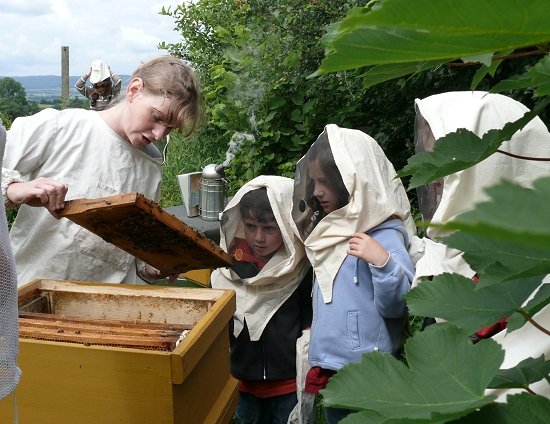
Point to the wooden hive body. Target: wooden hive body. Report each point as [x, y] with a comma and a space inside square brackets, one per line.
[108, 363]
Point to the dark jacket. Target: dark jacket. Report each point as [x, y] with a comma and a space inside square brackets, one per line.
[273, 356]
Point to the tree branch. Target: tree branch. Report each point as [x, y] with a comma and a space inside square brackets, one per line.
[523, 157]
[535, 324]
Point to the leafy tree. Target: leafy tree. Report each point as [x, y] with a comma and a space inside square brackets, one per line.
[13, 100]
[254, 58]
[504, 244]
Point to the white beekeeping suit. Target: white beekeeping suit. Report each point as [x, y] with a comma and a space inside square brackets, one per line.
[442, 201]
[9, 333]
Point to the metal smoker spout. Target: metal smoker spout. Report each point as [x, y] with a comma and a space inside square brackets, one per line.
[220, 169]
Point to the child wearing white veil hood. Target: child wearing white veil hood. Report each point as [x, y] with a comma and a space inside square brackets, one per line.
[443, 200]
[272, 280]
[354, 218]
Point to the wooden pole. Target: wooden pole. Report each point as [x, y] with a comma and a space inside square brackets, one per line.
[64, 75]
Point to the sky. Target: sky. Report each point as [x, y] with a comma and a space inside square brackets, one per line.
[122, 34]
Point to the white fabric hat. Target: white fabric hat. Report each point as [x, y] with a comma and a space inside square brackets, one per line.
[374, 196]
[100, 71]
[479, 112]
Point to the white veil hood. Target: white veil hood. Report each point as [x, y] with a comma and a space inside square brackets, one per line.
[478, 112]
[375, 194]
[259, 297]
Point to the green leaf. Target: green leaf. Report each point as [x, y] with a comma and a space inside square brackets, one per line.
[502, 243]
[537, 76]
[277, 102]
[536, 304]
[372, 417]
[519, 224]
[487, 69]
[381, 73]
[458, 300]
[296, 115]
[484, 59]
[520, 408]
[297, 99]
[496, 261]
[541, 77]
[270, 115]
[528, 371]
[460, 150]
[436, 359]
[513, 83]
[309, 106]
[425, 30]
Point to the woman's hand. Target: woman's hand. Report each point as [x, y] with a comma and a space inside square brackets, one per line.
[40, 192]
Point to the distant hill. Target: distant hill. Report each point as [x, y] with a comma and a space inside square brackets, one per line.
[48, 87]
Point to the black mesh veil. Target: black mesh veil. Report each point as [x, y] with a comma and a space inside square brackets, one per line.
[306, 209]
[429, 195]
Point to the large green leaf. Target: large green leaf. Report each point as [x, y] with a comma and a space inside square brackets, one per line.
[537, 76]
[424, 30]
[523, 408]
[496, 261]
[457, 299]
[528, 371]
[517, 224]
[501, 242]
[460, 150]
[442, 356]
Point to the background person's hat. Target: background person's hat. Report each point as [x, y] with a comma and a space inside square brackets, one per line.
[100, 71]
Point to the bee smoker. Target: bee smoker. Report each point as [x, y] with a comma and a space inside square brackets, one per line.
[212, 192]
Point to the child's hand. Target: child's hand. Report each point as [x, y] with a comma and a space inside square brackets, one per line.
[149, 272]
[365, 247]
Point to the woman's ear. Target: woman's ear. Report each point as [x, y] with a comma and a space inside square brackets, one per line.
[134, 88]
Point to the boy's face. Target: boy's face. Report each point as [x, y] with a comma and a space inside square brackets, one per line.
[263, 238]
[323, 189]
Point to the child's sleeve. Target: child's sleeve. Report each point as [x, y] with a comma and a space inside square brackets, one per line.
[394, 279]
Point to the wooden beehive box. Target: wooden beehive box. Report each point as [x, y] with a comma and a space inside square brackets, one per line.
[140, 227]
[115, 353]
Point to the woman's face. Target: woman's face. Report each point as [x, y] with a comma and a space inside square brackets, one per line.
[146, 117]
[323, 190]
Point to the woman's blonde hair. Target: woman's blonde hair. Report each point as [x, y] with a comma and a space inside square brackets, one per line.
[168, 76]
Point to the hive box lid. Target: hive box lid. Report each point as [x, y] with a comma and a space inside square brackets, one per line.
[142, 228]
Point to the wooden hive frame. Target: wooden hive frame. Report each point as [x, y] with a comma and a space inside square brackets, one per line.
[140, 227]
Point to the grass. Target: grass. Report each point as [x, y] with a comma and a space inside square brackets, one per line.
[185, 155]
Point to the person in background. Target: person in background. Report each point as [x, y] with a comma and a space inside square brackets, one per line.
[76, 153]
[105, 85]
[272, 280]
[443, 200]
[354, 218]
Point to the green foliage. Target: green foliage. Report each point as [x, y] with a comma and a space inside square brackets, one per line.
[415, 391]
[13, 101]
[182, 156]
[506, 243]
[465, 305]
[253, 58]
[526, 372]
[445, 376]
[522, 408]
[401, 31]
